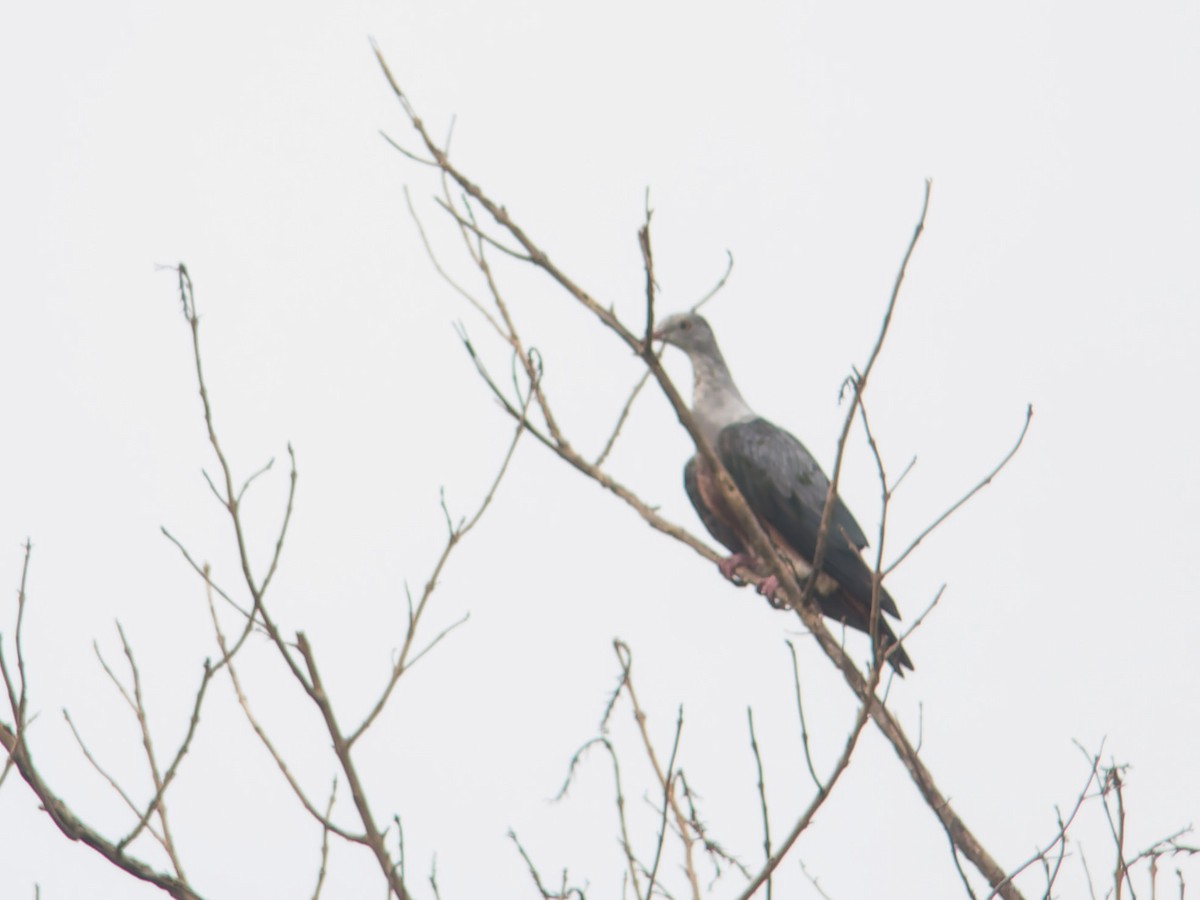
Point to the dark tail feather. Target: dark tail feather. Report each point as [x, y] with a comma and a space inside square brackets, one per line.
[843, 607]
[897, 659]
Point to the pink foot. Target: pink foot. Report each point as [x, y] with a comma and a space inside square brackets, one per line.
[729, 564]
[767, 587]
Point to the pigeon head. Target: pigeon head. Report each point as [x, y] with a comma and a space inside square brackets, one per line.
[689, 332]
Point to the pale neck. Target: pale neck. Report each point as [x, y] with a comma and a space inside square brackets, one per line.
[716, 401]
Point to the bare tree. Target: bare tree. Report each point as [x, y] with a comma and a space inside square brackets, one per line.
[705, 865]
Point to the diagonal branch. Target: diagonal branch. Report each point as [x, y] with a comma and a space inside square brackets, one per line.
[744, 519]
[75, 829]
[822, 794]
[12, 739]
[457, 533]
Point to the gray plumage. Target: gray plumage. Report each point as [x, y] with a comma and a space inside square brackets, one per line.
[782, 484]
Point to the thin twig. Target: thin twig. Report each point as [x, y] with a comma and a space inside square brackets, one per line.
[17, 696]
[641, 383]
[568, 454]
[1060, 837]
[668, 789]
[228, 498]
[325, 831]
[456, 534]
[373, 838]
[626, 846]
[717, 854]
[408, 153]
[648, 265]
[808, 760]
[173, 768]
[159, 787]
[12, 740]
[324, 821]
[625, 657]
[625, 410]
[716, 288]
[815, 804]
[463, 292]
[200, 569]
[546, 893]
[812, 879]
[481, 234]
[987, 479]
[113, 783]
[75, 829]
[762, 795]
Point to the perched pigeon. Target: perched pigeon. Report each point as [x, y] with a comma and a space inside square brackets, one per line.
[782, 484]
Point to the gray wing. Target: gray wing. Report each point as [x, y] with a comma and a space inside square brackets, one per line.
[786, 488]
[715, 525]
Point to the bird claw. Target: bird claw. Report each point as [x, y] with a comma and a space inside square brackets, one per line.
[768, 588]
[728, 566]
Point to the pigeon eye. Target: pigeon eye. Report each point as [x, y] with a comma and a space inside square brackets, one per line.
[685, 325]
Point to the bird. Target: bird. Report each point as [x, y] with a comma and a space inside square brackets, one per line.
[784, 487]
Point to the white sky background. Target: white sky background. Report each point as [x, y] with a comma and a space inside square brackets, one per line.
[1058, 268]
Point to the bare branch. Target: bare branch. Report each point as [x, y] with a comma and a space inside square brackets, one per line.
[641, 383]
[668, 789]
[480, 233]
[969, 494]
[456, 534]
[612, 438]
[626, 847]
[15, 746]
[498, 213]
[823, 793]
[21, 706]
[249, 481]
[71, 826]
[463, 292]
[717, 854]
[716, 288]
[173, 768]
[17, 694]
[648, 264]
[341, 748]
[744, 519]
[568, 454]
[324, 821]
[762, 795]
[625, 657]
[812, 879]
[325, 830]
[287, 519]
[408, 153]
[147, 744]
[202, 571]
[547, 894]
[812, 770]
[1060, 838]
[112, 782]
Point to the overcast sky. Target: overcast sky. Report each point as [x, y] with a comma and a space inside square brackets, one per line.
[1058, 268]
